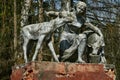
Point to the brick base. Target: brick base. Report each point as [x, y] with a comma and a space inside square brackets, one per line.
[61, 71]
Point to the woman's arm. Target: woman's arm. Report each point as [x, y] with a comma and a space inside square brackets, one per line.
[94, 28]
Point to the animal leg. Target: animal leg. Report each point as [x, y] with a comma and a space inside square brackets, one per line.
[50, 45]
[40, 40]
[26, 40]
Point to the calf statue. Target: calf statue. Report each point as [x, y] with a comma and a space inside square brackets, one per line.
[40, 32]
[96, 44]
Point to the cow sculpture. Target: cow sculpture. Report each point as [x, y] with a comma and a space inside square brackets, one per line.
[97, 44]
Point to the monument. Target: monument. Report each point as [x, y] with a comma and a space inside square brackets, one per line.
[78, 34]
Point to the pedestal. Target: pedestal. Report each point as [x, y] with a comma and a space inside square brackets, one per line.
[61, 71]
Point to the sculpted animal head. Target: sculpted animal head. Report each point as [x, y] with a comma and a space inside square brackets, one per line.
[61, 21]
[95, 42]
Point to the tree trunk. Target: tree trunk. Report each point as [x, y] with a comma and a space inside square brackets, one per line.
[3, 15]
[52, 5]
[41, 17]
[24, 12]
[15, 30]
[66, 5]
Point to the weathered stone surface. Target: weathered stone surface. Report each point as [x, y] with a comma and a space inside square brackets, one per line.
[61, 71]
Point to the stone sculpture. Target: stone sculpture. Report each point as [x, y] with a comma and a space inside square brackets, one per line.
[41, 31]
[73, 38]
[97, 44]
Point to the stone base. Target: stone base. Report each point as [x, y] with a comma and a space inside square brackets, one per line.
[61, 71]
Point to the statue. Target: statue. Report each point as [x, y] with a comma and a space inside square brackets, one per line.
[76, 40]
[97, 44]
[41, 32]
[73, 37]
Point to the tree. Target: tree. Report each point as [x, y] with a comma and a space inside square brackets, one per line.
[15, 30]
[25, 12]
[66, 5]
[41, 17]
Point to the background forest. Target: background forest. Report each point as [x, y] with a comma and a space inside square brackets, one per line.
[14, 14]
